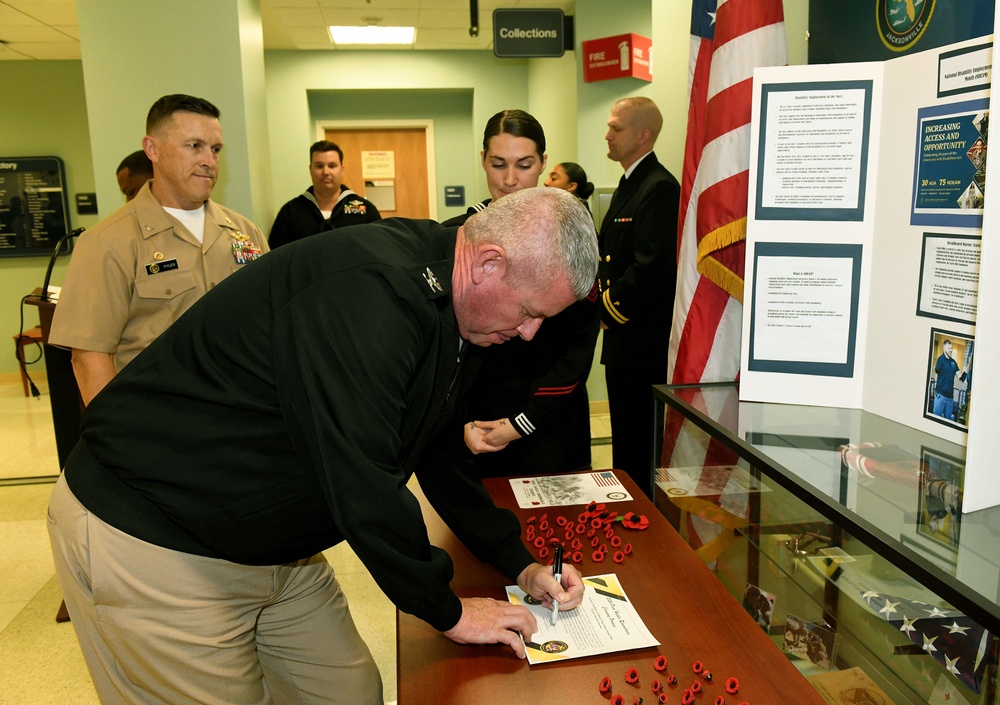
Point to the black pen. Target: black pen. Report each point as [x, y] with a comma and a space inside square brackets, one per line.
[557, 574]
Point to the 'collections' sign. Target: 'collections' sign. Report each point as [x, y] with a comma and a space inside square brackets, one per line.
[621, 56]
[528, 33]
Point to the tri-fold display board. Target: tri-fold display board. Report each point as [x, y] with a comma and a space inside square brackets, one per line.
[868, 201]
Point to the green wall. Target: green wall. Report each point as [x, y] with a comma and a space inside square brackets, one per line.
[50, 119]
[222, 62]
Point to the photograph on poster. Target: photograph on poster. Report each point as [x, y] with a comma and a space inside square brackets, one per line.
[759, 604]
[949, 379]
[949, 173]
[809, 641]
[804, 308]
[949, 277]
[939, 513]
[813, 150]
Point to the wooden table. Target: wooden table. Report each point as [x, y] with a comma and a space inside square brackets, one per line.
[681, 602]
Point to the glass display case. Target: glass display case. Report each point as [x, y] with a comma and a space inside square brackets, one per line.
[842, 534]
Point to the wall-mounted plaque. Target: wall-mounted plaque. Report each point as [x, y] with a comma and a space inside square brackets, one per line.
[34, 206]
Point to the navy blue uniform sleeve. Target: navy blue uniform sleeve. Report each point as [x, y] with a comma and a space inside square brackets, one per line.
[577, 327]
[281, 230]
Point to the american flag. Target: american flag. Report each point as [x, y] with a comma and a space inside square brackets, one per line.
[606, 479]
[947, 635]
[729, 38]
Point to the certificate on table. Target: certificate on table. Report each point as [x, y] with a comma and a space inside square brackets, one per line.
[567, 490]
[605, 622]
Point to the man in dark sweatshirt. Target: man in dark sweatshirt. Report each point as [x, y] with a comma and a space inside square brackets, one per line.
[282, 414]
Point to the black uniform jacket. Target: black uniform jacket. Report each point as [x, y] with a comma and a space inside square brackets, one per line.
[301, 216]
[286, 410]
[638, 267]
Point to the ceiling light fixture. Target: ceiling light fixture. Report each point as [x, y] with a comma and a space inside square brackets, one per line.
[372, 35]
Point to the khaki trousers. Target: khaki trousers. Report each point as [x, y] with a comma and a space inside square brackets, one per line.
[170, 628]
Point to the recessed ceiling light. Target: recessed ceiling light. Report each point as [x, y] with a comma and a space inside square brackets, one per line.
[372, 35]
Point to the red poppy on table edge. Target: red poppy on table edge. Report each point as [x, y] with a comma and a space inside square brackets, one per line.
[631, 520]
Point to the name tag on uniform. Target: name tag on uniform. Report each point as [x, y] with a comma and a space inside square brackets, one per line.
[157, 267]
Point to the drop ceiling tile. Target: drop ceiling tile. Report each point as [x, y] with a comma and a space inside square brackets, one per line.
[300, 17]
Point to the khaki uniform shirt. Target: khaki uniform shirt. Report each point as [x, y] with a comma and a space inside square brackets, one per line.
[139, 269]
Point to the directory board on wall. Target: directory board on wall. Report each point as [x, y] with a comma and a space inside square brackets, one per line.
[34, 205]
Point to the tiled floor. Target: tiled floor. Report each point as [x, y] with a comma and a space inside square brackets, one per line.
[40, 662]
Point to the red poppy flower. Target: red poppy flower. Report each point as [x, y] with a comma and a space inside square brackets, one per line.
[569, 535]
[580, 528]
[595, 542]
[592, 506]
[661, 663]
[631, 520]
[707, 675]
[631, 676]
[561, 520]
[543, 552]
[597, 556]
[591, 534]
[539, 541]
[609, 534]
[688, 697]
[662, 698]
[697, 667]
[619, 557]
[605, 686]
[616, 541]
[577, 557]
[720, 700]
[618, 700]
[657, 686]
[672, 679]
[696, 687]
[543, 525]
[530, 520]
[577, 544]
[596, 523]
[732, 686]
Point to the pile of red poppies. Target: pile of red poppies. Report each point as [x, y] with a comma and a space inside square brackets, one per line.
[592, 532]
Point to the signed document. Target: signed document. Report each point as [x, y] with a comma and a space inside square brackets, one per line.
[605, 622]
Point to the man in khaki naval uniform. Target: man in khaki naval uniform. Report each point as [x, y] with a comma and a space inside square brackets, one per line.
[134, 273]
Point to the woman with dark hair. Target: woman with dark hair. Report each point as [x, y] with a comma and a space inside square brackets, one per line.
[527, 407]
[571, 177]
[513, 157]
